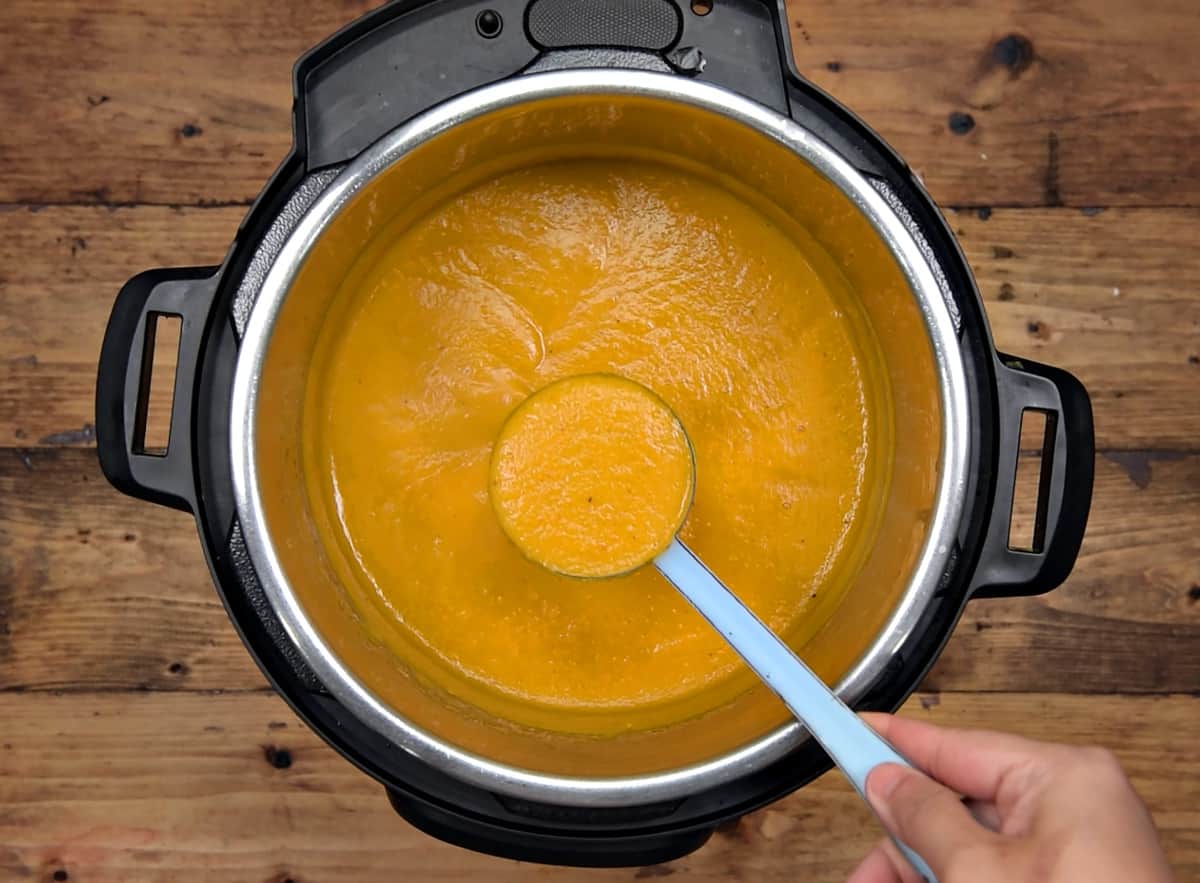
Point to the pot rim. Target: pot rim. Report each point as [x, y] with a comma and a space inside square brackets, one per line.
[953, 460]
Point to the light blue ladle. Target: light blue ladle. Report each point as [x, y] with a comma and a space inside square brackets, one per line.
[846, 738]
[853, 746]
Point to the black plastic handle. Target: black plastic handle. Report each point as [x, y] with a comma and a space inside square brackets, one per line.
[615, 850]
[1065, 490]
[121, 384]
[410, 55]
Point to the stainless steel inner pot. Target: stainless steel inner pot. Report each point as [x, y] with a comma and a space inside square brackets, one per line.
[583, 112]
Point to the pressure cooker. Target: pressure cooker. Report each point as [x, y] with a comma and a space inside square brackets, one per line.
[382, 109]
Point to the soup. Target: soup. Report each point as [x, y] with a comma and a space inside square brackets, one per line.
[592, 476]
[649, 271]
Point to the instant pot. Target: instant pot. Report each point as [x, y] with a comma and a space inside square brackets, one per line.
[386, 108]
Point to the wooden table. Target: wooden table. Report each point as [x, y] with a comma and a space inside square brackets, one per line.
[137, 739]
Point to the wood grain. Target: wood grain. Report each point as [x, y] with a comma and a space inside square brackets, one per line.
[98, 591]
[98, 786]
[1110, 296]
[60, 271]
[137, 736]
[181, 102]
[1058, 102]
[1086, 102]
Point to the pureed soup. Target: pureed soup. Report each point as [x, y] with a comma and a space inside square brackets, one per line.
[700, 292]
[592, 476]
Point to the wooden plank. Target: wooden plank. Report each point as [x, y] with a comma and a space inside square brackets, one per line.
[1020, 102]
[182, 787]
[98, 591]
[182, 102]
[1105, 295]
[1086, 102]
[1131, 602]
[61, 271]
[1109, 297]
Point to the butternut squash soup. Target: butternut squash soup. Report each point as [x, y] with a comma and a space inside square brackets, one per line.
[651, 271]
[592, 476]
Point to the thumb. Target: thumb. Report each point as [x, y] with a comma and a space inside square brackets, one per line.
[929, 818]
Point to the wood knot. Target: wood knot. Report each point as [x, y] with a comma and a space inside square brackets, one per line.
[280, 758]
[1014, 52]
[1000, 64]
[960, 123]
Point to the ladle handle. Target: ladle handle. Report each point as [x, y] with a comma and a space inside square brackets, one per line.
[855, 747]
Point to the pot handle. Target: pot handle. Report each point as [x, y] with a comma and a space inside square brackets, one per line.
[1065, 486]
[548, 847]
[123, 388]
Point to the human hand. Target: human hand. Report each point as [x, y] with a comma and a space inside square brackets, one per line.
[1037, 812]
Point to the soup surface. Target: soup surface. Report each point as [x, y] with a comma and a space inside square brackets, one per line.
[592, 476]
[648, 271]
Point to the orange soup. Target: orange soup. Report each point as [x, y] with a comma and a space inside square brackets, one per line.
[592, 476]
[646, 271]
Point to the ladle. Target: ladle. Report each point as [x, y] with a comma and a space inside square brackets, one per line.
[847, 739]
[546, 427]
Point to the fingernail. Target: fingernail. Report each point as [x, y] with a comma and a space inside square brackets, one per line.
[882, 781]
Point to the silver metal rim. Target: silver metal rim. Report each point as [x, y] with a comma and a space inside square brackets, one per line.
[473, 768]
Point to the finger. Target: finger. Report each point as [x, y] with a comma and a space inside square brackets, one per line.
[877, 867]
[884, 864]
[972, 762]
[906, 873]
[929, 818]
